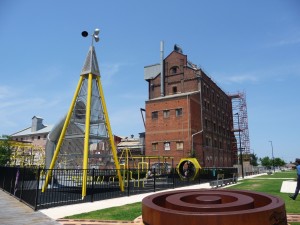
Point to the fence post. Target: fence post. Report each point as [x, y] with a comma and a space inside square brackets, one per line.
[22, 183]
[93, 178]
[128, 184]
[11, 182]
[4, 176]
[154, 179]
[173, 176]
[37, 189]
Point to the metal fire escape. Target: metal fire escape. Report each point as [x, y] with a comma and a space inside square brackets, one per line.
[240, 124]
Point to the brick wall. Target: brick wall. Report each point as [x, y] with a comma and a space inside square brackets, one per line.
[183, 85]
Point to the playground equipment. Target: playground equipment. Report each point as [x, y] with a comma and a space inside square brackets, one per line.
[26, 154]
[188, 168]
[86, 130]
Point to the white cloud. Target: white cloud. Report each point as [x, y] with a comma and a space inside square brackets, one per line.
[17, 108]
[6, 92]
[238, 79]
[242, 79]
[109, 70]
[288, 41]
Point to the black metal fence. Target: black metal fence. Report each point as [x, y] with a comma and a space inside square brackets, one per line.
[65, 186]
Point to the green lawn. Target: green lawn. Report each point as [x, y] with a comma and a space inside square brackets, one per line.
[125, 212]
[271, 186]
[260, 184]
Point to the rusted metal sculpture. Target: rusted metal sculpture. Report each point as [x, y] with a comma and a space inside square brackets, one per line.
[213, 207]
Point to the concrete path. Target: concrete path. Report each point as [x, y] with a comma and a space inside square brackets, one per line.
[68, 210]
[288, 186]
[14, 212]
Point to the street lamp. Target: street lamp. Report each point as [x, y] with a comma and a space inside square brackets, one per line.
[241, 153]
[272, 156]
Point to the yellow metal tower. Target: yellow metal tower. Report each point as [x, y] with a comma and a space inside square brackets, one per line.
[87, 125]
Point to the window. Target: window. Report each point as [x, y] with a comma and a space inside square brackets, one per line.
[154, 115]
[178, 112]
[207, 141]
[39, 137]
[215, 143]
[174, 69]
[167, 146]
[179, 145]
[166, 113]
[154, 146]
[174, 89]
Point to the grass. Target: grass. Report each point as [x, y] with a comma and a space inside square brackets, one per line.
[260, 184]
[125, 212]
[271, 186]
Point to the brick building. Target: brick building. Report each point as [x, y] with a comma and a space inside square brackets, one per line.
[187, 114]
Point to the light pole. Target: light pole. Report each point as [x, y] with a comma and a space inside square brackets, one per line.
[272, 156]
[241, 153]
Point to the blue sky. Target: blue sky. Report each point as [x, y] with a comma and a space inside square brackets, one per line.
[251, 46]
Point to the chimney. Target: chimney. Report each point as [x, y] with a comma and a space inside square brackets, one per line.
[37, 124]
[162, 76]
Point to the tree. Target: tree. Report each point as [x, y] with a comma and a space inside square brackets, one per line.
[253, 160]
[5, 151]
[279, 162]
[266, 162]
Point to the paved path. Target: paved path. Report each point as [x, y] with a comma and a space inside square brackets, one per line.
[14, 212]
[68, 210]
[138, 221]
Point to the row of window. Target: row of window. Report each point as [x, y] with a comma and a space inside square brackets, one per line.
[179, 145]
[215, 111]
[217, 144]
[166, 113]
[167, 146]
[214, 97]
[217, 129]
[30, 138]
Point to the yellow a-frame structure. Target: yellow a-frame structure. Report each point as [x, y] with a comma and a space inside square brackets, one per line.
[86, 123]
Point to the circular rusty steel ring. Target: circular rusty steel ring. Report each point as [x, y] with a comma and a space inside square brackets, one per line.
[213, 207]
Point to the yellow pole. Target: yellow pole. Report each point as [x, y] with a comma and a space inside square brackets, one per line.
[111, 138]
[62, 135]
[127, 159]
[87, 135]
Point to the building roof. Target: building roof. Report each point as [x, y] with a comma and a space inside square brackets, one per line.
[27, 131]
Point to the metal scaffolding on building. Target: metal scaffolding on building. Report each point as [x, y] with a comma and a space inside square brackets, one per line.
[240, 123]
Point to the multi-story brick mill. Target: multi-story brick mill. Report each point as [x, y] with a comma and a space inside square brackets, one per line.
[187, 114]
